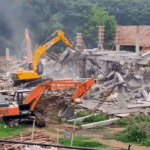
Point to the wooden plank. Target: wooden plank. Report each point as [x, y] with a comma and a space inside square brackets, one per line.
[100, 124]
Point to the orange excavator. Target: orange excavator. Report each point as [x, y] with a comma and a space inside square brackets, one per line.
[20, 108]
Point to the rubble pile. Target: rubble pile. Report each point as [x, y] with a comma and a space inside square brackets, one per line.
[6, 64]
[119, 95]
[140, 95]
[5, 84]
[54, 100]
[122, 80]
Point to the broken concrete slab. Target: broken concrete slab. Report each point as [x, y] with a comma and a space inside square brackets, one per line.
[145, 94]
[81, 118]
[100, 124]
[134, 83]
[138, 105]
[122, 115]
[142, 102]
[148, 98]
[90, 104]
[115, 95]
[123, 111]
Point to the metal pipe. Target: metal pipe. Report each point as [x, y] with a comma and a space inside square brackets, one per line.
[51, 145]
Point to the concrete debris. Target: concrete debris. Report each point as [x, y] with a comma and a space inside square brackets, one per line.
[122, 80]
[122, 115]
[100, 124]
[35, 147]
[81, 118]
[53, 101]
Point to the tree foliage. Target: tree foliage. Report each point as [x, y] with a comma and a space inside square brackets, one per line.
[43, 17]
[99, 17]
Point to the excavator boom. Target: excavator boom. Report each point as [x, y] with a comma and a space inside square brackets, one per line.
[82, 89]
[41, 50]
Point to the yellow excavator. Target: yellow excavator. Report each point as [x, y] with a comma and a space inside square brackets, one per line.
[37, 69]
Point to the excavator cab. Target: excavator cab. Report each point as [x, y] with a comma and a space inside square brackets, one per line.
[20, 95]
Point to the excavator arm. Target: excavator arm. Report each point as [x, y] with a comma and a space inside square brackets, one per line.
[42, 49]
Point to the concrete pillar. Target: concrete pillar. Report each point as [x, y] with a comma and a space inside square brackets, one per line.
[117, 47]
[101, 31]
[137, 44]
[137, 69]
[117, 37]
[83, 68]
[106, 67]
[7, 54]
[137, 50]
[79, 42]
[121, 97]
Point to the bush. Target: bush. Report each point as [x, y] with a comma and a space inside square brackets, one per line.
[96, 118]
[146, 142]
[133, 119]
[80, 142]
[6, 131]
[136, 133]
[54, 116]
[82, 113]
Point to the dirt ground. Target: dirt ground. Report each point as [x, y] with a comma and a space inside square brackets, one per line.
[56, 130]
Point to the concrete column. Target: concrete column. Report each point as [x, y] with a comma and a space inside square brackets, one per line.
[117, 47]
[136, 69]
[121, 97]
[101, 31]
[137, 44]
[84, 69]
[117, 38]
[7, 54]
[79, 42]
[137, 50]
[106, 67]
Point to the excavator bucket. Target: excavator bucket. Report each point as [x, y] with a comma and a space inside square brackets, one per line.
[67, 111]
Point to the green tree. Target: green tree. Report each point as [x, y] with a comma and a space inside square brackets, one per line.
[99, 16]
[47, 28]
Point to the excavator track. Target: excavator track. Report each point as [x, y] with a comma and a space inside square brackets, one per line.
[39, 119]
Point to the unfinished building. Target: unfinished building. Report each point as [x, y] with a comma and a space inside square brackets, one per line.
[132, 38]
